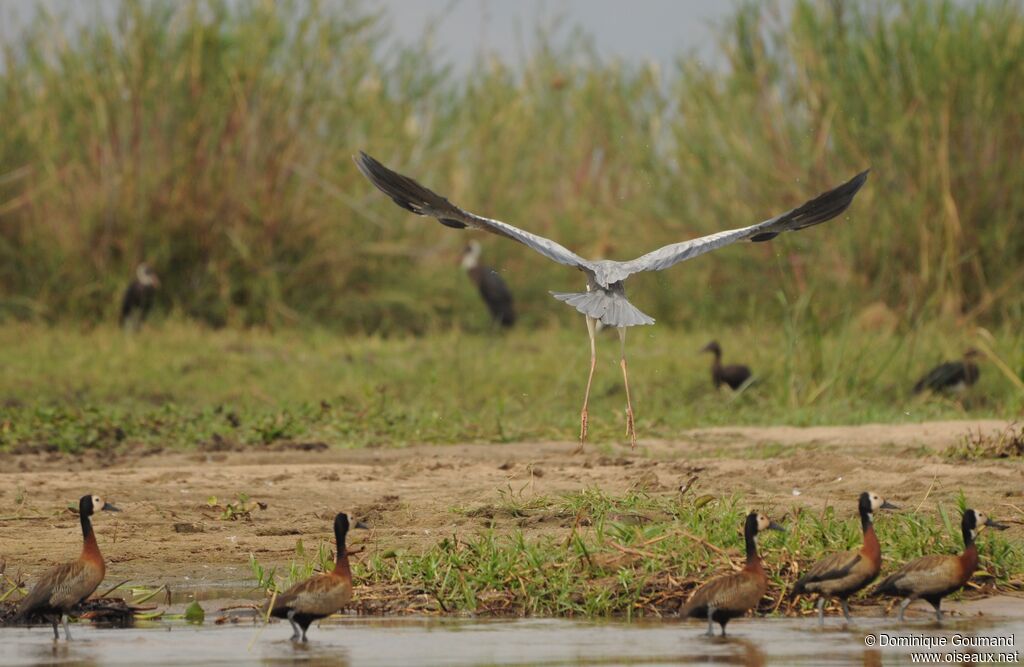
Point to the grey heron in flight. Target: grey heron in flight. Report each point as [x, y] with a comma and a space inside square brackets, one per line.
[605, 299]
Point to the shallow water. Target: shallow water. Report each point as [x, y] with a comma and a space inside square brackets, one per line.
[430, 641]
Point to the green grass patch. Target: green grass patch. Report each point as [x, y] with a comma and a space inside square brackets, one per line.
[180, 385]
[599, 564]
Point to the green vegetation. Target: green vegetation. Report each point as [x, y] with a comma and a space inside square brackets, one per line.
[214, 138]
[639, 554]
[182, 385]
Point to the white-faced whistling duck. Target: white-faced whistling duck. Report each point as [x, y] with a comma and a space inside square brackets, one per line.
[493, 289]
[138, 297]
[732, 595]
[321, 595]
[842, 574]
[734, 375]
[934, 577]
[63, 587]
[953, 376]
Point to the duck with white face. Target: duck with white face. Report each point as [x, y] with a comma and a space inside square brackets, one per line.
[63, 587]
[842, 574]
[934, 577]
[732, 595]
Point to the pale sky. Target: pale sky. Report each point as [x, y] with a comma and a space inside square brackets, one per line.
[636, 31]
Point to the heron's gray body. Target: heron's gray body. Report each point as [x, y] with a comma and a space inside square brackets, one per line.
[608, 305]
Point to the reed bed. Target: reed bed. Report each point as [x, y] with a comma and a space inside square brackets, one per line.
[213, 138]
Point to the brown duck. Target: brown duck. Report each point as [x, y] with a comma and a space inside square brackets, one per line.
[59, 590]
[726, 597]
[842, 574]
[322, 595]
[934, 577]
[733, 375]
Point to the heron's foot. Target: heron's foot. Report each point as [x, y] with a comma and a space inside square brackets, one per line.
[584, 420]
[630, 427]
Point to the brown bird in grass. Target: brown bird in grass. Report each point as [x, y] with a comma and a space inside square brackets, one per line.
[842, 574]
[734, 375]
[58, 591]
[934, 577]
[732, 595]
[492, 288]
[321, 595]
[954, 376]
[138, 297]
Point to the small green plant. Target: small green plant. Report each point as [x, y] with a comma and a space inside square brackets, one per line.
[239, 510]
[1006, 443]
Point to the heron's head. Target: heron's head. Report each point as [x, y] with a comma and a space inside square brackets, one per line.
[713, 348]
[471, 255]
[146, 275]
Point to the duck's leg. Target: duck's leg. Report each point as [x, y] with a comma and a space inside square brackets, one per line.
[295, 627]
[711, 623]
[903, 607]
[821, 612]
[590, 379]
[67, 633]
[938, 611]
[846, 610]
[630, 427]
[56, 622]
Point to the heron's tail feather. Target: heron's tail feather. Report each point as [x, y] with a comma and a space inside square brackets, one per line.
[612, 310]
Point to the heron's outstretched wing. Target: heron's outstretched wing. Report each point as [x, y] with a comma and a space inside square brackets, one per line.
[822, 208]
[412, 196]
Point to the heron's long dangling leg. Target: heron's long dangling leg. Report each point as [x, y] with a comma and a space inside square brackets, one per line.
[590, 378]
[630, 427]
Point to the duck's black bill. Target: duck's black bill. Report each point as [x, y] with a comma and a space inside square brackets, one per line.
[776, 526]
[361, 524]
[107, 507]
[995, 524]
[889, 506]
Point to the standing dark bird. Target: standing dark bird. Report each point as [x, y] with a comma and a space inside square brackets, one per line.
[59, 590]
[953, 376]
[605, 299]
[493, 289]
[734, 375]
[842, 574]
[138, 298]
[934, 577]
[732, 595]
[321, 595]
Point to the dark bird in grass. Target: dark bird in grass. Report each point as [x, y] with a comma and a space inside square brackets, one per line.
[138, 297]
[955, 376]
[62, 588]
[732, 595]
[842, 574]
[321, 595]
[932, 578]
[605, 297]
[493, 289]
[733, 375]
